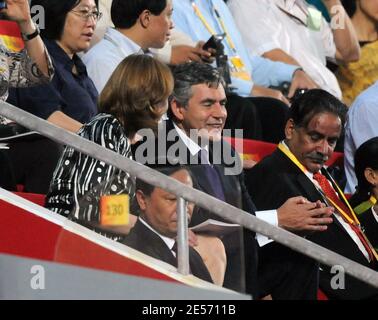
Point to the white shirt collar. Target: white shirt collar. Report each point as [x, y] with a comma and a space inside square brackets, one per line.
[193, 147]
[168, 241]
[296, 8]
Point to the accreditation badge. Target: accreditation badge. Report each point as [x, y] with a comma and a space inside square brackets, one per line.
[238, 69]
[114, 210]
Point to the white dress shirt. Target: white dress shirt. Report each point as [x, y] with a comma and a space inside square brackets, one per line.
[282, 24]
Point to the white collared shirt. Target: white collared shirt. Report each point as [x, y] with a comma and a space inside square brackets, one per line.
[102, 59]
[168, 241]
[192, 146]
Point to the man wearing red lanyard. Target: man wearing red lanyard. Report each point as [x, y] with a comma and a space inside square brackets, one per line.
[297, 168]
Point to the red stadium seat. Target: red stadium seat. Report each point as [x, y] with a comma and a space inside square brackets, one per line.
[256, 150]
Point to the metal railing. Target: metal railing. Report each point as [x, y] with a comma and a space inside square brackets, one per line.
[201, 199]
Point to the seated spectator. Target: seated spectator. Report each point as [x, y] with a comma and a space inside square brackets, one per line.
[134, 98]
[139, 26]
[155, 231]
[30, 67]
[198, 107]
[69, 100]
[361, 125]
[296, 33]
[251, 75]
[355, 77]
[178, 49]
[297, 168]
[364, 201]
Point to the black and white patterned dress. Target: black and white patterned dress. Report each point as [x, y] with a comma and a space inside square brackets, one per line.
[80, 180]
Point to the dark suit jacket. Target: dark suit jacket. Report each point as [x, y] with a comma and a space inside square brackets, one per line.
[270, 183]
[146, 241]
[235, 193]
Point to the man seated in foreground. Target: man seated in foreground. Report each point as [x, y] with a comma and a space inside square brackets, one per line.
[155, 231]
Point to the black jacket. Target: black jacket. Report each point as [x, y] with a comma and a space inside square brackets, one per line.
[271, 182]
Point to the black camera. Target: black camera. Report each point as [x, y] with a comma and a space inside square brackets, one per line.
[215, 43]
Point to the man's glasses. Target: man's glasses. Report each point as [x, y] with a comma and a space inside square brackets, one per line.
[86, 14]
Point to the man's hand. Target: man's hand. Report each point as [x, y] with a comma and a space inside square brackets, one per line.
[259, 91]
[299, 215]
[300, 81]
[183, 53]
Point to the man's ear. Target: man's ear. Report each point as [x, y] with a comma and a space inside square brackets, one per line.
[371, 176]
[289, 128]
[178, 110]
[141, 199]
[144, 18]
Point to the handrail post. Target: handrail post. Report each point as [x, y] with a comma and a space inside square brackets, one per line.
[182, 237]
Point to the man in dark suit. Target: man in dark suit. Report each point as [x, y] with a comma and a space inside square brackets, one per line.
[297, 168]
[155, 231]
[193, 134]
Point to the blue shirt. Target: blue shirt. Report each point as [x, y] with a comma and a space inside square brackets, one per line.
[264, 72]
[105, 56]
[73, 94]
[361, 125]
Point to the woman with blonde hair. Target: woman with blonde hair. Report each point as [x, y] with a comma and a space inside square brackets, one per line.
[134, 98]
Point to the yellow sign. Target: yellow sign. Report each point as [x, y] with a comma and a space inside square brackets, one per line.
[114, 210]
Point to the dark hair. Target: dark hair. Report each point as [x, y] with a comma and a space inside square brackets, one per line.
[55, 13]
[366, 156]
[147, 188]
[125, 13]
[134, 91]
[189, 74]
[350, 7]
[313, 102]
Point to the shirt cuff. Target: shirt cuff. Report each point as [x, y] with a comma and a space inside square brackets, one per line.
[271, 217]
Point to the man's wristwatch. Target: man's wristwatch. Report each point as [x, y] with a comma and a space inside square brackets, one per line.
[27, 37]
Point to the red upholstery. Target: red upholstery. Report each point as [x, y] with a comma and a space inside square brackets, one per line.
[251, 149]
[257, 150]
[321, 295]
